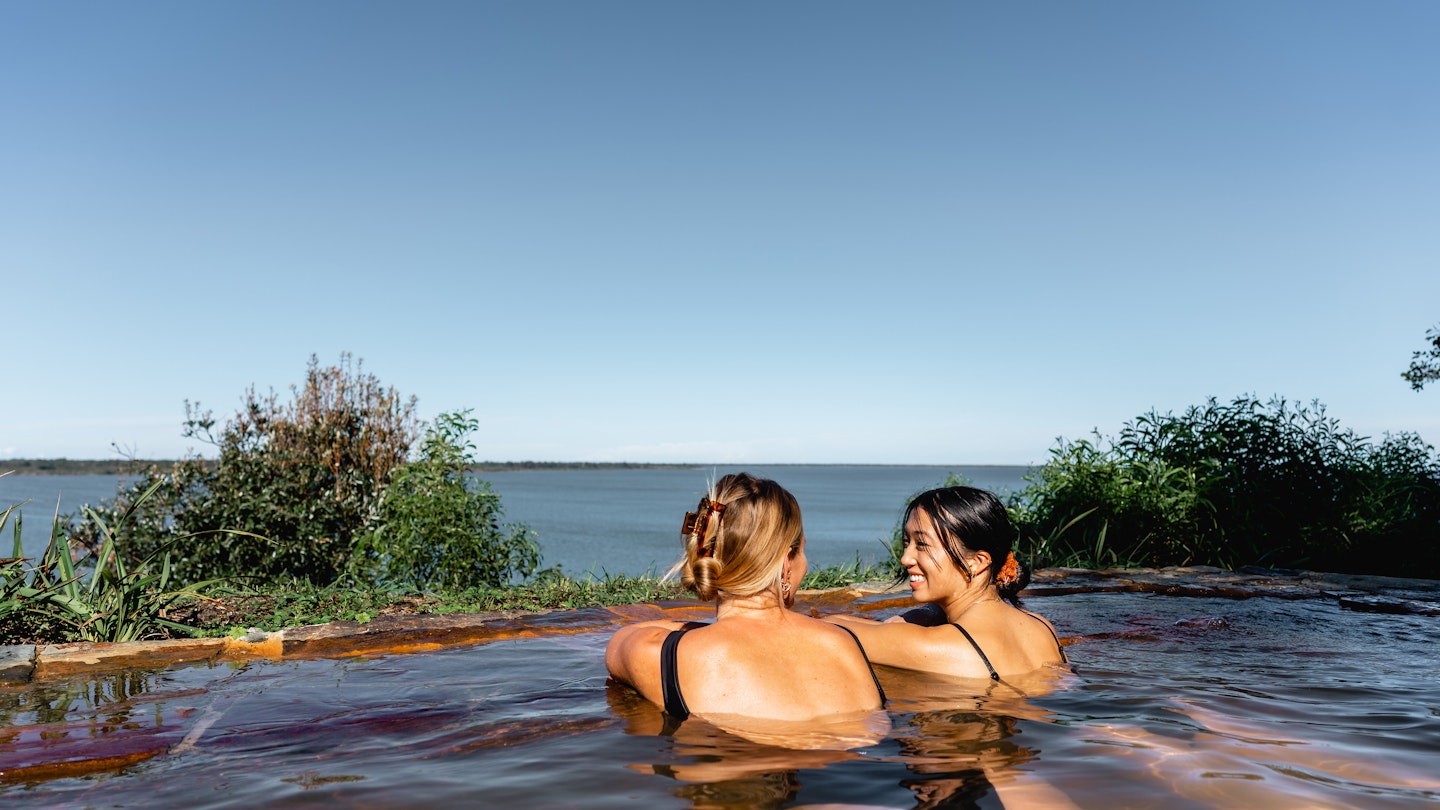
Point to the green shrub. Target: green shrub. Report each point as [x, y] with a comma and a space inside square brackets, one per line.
[1121, 509]
[98, 598]
[437, 527]
[1237, 484]
[301, 479]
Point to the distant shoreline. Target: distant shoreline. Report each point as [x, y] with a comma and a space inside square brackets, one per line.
[66, 466]
[69, 466]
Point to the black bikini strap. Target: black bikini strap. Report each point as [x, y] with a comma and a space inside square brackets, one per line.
[1058, 646]
[873, 676]
[670, 678]
[994, 676]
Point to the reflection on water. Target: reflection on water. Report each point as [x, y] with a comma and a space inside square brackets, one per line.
[73, 727]
[718, 768]
[1176, 702]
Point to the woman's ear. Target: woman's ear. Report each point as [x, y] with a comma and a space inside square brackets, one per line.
[978, 562]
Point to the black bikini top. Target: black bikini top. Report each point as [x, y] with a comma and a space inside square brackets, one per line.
[670, 679]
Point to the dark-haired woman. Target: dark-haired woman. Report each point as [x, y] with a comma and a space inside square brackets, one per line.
[960, 563]
[745, 549]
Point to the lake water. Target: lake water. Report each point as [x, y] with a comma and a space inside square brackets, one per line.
[620, 521]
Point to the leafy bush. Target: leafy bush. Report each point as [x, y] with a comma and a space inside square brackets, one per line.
[1236, 484]
[301, 479]
[1128, 509]
[437, 527]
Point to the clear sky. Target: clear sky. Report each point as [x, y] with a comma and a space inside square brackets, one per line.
[803, 231]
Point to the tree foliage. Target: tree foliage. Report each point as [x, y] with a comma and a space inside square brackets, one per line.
[1247, 482]
[436, 526]
[1425, 365]
[302, 476]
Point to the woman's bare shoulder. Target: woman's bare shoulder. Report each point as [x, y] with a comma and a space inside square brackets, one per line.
[633, 655]
[1016, 640]
[636, 643]
[1044, 621]
[645, 631]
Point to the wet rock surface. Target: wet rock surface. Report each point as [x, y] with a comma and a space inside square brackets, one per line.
[16, 662]
[1376, 594]
[419, 632]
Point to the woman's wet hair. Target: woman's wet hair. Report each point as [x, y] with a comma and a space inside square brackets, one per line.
[738, 537]
[970, 520]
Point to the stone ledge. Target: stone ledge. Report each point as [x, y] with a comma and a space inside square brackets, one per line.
[17, 662]
[382, 635]
[417, 633]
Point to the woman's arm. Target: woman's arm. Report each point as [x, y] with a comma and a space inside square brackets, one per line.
[633, 656]
[895, 644]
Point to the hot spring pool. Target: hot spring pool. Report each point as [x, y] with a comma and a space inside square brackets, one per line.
[1176, 702]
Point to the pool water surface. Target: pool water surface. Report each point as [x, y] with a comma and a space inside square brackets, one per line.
[1175, 702]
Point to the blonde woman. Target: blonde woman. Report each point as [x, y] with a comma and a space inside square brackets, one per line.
[745, 550]
[960, 564]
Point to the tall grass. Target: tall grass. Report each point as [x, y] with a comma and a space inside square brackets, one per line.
[857, 570]
[99, 597]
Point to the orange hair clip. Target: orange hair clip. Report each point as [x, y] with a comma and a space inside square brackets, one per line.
[1009, 572]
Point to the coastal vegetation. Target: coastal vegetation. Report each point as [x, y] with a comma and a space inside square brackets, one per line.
[99, 597]
[301, 478]
[1236, 484]
[339, 504]
[322, 489]
[435, 526]
[313, 494]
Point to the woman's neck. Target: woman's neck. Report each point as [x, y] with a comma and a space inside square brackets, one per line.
[756, 606]
[957, 606]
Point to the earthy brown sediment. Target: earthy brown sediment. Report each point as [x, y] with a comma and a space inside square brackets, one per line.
[420, 632]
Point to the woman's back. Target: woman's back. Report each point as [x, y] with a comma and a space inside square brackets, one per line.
[794, 668]
[745, 549]
[1006, 639]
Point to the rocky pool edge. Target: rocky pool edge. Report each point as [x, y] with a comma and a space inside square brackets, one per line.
[26, 663]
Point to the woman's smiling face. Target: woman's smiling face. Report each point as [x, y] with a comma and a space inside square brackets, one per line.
[934, 577]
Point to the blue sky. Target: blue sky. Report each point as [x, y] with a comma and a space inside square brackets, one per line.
[732, 232]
